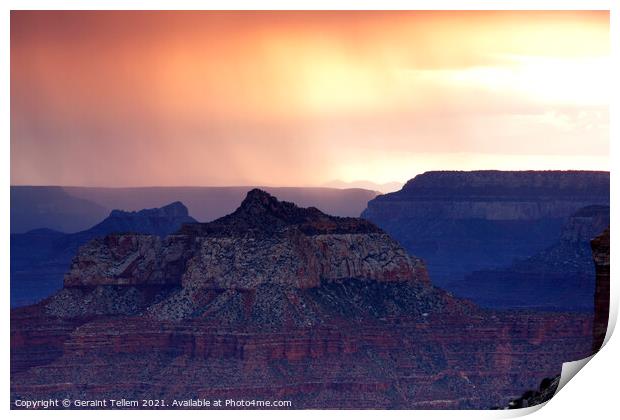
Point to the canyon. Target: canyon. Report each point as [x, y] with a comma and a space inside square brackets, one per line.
[466, 224]
[600, 254]
[563, 274]
[40, 258]
[274, 301]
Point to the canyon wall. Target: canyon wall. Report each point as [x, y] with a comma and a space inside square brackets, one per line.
[560, 277]
[600, 250]
[40, 258]
[278, 302]
[445, 362]
[460, 222]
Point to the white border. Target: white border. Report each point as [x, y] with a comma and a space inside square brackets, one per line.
[593, 395]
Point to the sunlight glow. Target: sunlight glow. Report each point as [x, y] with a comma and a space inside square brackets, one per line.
[583, 81]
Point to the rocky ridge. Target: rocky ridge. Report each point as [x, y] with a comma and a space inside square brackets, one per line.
[274, 301]
[40, 258]
[267, 251]
[160, 221]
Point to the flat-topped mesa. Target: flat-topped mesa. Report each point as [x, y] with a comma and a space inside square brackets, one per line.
[160, 221]
[460, 222]
[264, 242]
[490, 195]
[172, 210]
[517, 185]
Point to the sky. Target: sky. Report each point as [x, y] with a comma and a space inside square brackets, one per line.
[125, 98]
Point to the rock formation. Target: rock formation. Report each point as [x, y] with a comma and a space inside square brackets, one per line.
[460, 222]
[545, 392]
[157, 221]
[266, 247]
[277, 302]
[74, 209]
[561, 277]
[40, 258]
[600, 251]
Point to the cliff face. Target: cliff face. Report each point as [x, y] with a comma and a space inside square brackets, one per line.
[460, 222]
[262, 245]
[600, 252]
[585, 224]
[422, 362]
[507, 185]
[561, 277]
[277, 302]
[600, 255]
[39, 259]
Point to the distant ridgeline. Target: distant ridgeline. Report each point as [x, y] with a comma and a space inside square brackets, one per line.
[49, 223]
[73, 209]
[40, 258]
[503, 239]
[276, 299]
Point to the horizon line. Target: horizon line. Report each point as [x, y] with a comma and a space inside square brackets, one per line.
[322, 186]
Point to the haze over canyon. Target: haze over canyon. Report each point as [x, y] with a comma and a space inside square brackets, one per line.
[339, 209]
[328, 312]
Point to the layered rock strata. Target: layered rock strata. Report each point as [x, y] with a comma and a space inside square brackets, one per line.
[277, 302]
[600, 251]
[267, 251]
[40, 258]
[460, 222]
[561, 277]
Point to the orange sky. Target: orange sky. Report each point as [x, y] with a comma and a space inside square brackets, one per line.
[301, 98]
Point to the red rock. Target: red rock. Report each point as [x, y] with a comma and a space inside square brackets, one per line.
[600, 250]
[278, 302]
